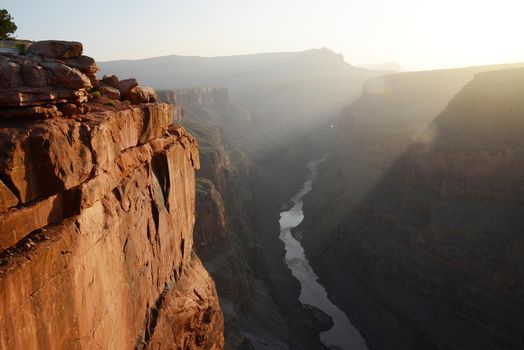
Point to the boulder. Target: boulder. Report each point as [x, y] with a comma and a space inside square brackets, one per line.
[111, 80]
[83, 63]
[109, 92]
[69, 109]
[9, 74]
[56, 49]
[33, 74]
[68, 77]
[92, 78]
[126, 85]
[141, 94]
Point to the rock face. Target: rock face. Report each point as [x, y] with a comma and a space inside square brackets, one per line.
[420, 214]
[96, 230]
[211, 226]
[258, 294]
[53, 78]
[220, 218]
[56, 49]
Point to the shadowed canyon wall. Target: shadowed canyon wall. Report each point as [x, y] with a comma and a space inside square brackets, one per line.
[415, 224]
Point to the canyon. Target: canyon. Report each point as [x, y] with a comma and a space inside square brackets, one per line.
[418, 211]
[192, 214]
[393, 226]
[226, 235]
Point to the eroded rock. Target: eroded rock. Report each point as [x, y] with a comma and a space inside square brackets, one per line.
[68, 77]
[83, 63]
[109, 92]
[126, 85]
[56, 49]
[141, 94]
[97, 203]
[93, 202]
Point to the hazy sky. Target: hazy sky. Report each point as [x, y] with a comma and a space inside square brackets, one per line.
[418, 34]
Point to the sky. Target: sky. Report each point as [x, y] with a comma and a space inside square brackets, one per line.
[418, 34]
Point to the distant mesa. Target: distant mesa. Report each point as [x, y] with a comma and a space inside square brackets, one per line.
[389, 66]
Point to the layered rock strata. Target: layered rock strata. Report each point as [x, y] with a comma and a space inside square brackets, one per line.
[420, 214]
[96, 230]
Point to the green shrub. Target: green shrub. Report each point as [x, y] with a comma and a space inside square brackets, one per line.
[96, 94]
[21, 48]
[111, 103]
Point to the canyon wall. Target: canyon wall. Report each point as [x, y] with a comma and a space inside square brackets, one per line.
[415, 224]
[223, 233]
[97, 207]
[236, 232]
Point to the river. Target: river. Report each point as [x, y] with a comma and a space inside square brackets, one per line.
[343, 335]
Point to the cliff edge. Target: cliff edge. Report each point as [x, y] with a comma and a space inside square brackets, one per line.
[97, 207]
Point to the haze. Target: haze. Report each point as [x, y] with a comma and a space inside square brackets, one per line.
[417, 34]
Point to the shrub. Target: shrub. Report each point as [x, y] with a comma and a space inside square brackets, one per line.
[21, 48]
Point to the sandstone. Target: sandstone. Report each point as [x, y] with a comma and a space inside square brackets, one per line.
[56, 154]
[140, 94]
[69, 109]
[40, 96]
[109, 92]
[97, 208]
[92, 78]
[56, 49]
[33, 74]
[31, 112]
[7, 197]
[83, 63]
[210, 228]
[16, 223]
[198, 319]
[68, 77]
[112, 81]
[9, 74]
[104, 236]
[126, 85]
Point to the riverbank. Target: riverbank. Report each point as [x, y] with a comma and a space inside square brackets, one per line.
[342, 335]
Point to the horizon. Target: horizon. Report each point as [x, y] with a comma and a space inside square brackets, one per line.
[417, 36]
[365, 66]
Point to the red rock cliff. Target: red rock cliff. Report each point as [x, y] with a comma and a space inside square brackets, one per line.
[96, 220]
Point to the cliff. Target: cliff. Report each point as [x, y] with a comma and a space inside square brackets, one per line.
[223, 233]
[97, 202]
[423, 223]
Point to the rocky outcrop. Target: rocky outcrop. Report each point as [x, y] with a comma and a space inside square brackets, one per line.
[53, 78]
[211, 227]
[96, 228]
[420, 215]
